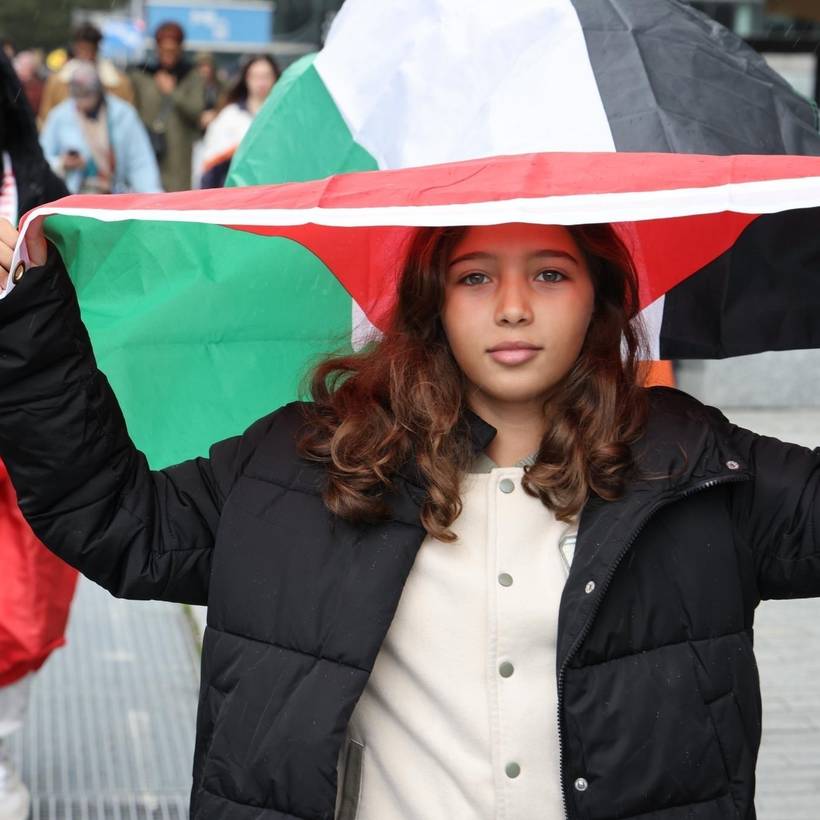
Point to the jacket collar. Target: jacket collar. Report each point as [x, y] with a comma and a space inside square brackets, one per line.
[683, 446]
[679, 446]
[481, 434]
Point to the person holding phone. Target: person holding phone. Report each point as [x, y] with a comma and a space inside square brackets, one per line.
[96, 142]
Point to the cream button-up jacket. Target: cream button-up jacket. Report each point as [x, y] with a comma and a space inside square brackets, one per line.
[459, 717]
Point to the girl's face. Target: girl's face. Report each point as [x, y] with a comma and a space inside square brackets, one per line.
[259, 79]
[518, 300]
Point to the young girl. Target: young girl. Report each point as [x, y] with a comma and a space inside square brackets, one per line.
[393, 593]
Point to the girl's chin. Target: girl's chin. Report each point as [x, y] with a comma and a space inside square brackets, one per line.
[513, 395]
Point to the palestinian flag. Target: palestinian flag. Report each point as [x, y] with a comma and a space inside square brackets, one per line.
[202, 328]
[447, 80]
[200, 335]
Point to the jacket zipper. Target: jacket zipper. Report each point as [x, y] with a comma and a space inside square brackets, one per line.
[706, 485]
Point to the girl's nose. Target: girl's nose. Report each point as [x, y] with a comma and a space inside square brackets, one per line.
[513, 304]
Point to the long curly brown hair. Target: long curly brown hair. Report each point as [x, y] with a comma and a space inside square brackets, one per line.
[402, 398]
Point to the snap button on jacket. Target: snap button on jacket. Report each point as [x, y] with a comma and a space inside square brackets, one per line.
[659, 701]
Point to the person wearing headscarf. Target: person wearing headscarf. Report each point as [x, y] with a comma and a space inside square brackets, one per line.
[96, 141]
[85, 47]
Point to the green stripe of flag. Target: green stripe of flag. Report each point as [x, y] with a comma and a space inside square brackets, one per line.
[298, 135]
[200, 329]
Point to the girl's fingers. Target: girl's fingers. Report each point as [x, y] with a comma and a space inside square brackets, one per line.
[36, 244]
[8, 238]
[5, 260]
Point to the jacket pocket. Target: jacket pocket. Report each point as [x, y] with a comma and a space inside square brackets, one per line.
[350, 781]
[730, 734]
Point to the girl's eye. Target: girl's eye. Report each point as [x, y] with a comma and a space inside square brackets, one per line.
[475, 278]
[551, 276]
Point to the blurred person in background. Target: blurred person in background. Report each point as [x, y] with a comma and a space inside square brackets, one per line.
[170, 97]
[96, 142]
[29, 66]
[85, 45]
[215, 90]
[36, 590]
[8, 48]
[214, 87]
[244, 100]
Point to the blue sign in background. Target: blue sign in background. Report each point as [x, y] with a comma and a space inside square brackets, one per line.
[215, 24]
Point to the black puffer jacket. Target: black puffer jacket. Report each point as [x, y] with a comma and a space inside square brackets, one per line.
[659, 696]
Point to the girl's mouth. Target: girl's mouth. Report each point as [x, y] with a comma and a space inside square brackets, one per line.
[513, 352]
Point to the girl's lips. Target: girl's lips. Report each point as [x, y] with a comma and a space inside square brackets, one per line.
[514, 355]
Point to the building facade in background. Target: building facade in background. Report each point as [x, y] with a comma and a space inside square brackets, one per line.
[787, 32]
[287, 29]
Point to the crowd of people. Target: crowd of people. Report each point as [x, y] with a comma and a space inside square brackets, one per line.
[168, 124]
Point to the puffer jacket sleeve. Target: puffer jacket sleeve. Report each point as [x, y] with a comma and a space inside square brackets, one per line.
[777, 513]
[84, 488]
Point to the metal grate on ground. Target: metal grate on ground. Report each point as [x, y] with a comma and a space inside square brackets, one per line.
[110, 729]
[126, 808]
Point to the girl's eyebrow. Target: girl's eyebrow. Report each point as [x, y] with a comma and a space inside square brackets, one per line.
[483, 255]
[555, 254]
[546, 253]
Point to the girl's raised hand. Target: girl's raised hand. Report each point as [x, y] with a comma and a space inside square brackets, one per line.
[35, 242]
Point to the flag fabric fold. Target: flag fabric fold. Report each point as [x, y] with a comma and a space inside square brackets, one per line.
[727, 250]
[442, 84]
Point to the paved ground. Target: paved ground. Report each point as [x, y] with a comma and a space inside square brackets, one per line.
[110, 735]
[788, 651]
[762, 380]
